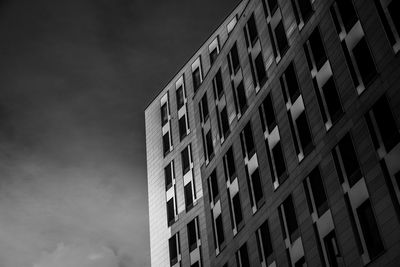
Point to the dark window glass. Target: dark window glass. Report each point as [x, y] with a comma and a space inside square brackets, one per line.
[385, 21]
[185, 160]
[225, 122]
[370, 229]
[218, 84]
[204, 108]
[210, 147]
[317, 48]
[237, 209]
[295, 11]
[192, 237]
[242, 257]
[332, 249]
[213, 55]
[290, 216]
[332, 100]
[248, 136]
[251, 24]
[196, 264]
[296, 144]
[348, 14]
[349, 159]
[266, 239]
[260, 69]
[230, 164]
[166, 144]
[273, 5]
[168, 176]
[319, 99]
[318, 191]
[353, 224]
[164, 114]
[364, 61]
[304, 133]
[257, 186]
[305, 9]
[393, 8]
[291, 82]
[269, 113]
[301, 262]
[386, 123]
[182, 127]
[188, 196]
[279, 162]
[180, 98]
[214, 185]
[220, 230]
[234, 63]
[242, 99]
[281, 38]
[173, 251]
[350, 64]
[274, 49]
[170, 211]
[196, 79]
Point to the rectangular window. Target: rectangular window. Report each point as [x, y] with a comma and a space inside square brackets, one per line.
[225, 122]
[273, 5]
[279, 160]
[288, 219]
[166, 144]
[385, 124]
[203, 107]
[302, 10]
[164, 114]
[267, 114]
[174, 249]
[209, 145]
[370, 229]
[247, 141]
[317, 50]
[315, 192]
[220, 230]
[180, 97]
[264, 243]
[169, 173]
[233, 60]
[218, 85]
[213, 187]
[188, 196]
[257, 188]
[260, 69]
[170, 211]
[364, 61]
[347, 13]
[388, 21]
[331, 97]
[289, 84]
[281, 39]
[182, 127]
[304, 133]
[229, 165]
[186, 159]
[237, 209]
[332, 249]
[213, 50]
[193, 234]
[349, 160]
[241, 98]
[252, 29]
[242, 257]
[196, 75]
[213, 55]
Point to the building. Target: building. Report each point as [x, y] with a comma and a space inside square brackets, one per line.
[278, 143]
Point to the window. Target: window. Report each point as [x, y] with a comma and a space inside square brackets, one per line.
[231, 25]
[186, 159]
[224, 122]
[180, 97]
[170, 211]
[164, 114]
[304, 133]
[288, 220]
[279, 160]
[182, 127]
[289, 84]
[203, 107]
[315, 193]
[233, 60]
[247, 141]
[193, 234]
[174, 249]
[347, 13]
[242, 257]
[237, 208]
[267, 114]
[349, 160]
[264, 243]
[302, 11]
[241, 99]
[257, 192]
[188, 196]
[196, 75]
[370, 229]
[281, 39]
[220, 230]
[213, 187]
[250, 31]
[385, 123]
[364, 61]
[213, 50]
[273, 5]
[391, 23]
[332, 249]
[316, 49]
[166, 144]
[168, 173]
[332, 100]
[229, 165]
[209, 145]
[260, 69]
[218, 85]
[213, 55]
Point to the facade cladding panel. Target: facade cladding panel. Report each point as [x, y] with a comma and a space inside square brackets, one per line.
[318, 181]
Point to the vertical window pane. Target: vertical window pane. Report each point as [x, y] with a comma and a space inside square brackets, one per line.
[349, 159]
[241, 94]
[188, 196]
[318, 191]
[364, 61]
[220, 230]
[317, 48]
[237, 209]
[168, 176]
[281, 39]
[213, 55]
[393, 8]
[225, 122]
[304, 133]
[182, 127]
[170, 211]
[332, 99]
[251, 24]
[192, 237]
[166, 144]
[260, 69]
[348, 14]
[257, 186]
[279, 160]
[173, 251]
[196, 79]
[248, 134]
[210, 147]
[290, 215]
[180, 98]
[164, 114]
[185, 160]
[291, 81]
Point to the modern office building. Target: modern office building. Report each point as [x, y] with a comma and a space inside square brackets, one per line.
[278, 142]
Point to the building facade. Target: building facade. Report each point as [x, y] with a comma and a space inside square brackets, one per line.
[278, 142]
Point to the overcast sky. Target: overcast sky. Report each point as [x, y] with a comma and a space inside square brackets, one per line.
[75, 77]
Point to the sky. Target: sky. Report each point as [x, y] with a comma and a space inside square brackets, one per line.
[75, 78]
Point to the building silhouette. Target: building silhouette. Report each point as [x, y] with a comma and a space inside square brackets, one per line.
[277, 143]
